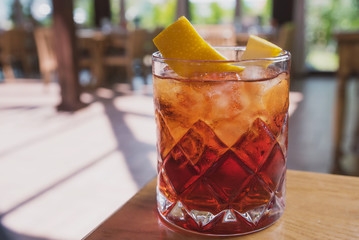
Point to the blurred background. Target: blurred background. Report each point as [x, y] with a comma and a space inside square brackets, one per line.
[77, 131]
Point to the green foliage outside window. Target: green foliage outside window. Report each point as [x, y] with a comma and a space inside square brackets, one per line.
[218, 12]
[212, 13]
[323, 19]
[151, 14]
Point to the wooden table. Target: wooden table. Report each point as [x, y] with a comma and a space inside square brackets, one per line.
[319, 206]
[348, 49]
[96, 42]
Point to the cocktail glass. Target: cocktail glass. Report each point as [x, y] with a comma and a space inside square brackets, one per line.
[222, 142]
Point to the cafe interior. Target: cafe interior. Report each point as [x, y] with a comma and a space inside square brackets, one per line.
[77, 126]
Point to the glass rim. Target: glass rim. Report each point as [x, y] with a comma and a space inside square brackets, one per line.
[157, 56]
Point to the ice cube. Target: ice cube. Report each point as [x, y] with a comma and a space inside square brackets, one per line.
[268, 84]
[275, 97]
[253, 73]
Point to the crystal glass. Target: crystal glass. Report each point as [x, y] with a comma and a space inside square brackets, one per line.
[222, 142]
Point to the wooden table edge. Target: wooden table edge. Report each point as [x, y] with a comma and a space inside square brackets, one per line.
[322, 180]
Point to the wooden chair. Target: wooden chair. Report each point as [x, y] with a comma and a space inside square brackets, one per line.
[46, 53]
[285, 38]
[13, 47]
[218, 34]
[133, 49]
[149, 45]
[150, 48]
[47, 57]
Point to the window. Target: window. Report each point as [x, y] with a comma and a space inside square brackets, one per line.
[324, 17]
[223, 11]
[150, 14]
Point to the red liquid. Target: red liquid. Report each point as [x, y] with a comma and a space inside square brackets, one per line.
[220, 173]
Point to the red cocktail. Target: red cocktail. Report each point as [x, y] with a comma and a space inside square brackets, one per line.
[222, 140]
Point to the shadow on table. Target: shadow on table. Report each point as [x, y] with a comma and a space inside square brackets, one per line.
[136, 154]
[6, 234]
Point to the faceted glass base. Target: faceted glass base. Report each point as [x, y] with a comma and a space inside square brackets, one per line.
[227, 222]
[208, 187]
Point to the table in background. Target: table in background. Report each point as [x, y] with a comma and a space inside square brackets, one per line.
[319, 206]
[96, 42]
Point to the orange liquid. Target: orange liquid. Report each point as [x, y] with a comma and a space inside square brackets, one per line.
[222, 153]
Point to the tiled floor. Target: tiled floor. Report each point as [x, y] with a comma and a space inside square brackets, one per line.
[61, 174]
